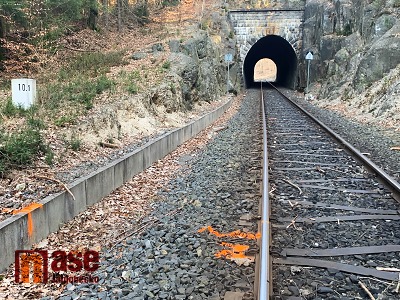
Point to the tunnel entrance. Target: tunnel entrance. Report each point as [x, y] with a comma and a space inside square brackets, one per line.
[265, 70]
[280, 52]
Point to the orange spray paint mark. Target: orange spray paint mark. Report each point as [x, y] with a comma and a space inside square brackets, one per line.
[235, 251]
[28, 209]
[233, 234]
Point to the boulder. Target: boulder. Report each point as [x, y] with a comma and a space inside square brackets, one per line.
[139, 55]
[168, 95]
[188, 70]
[174, 45]
[158, 47]
[379, 59]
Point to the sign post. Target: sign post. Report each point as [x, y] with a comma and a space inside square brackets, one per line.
[23, 92]
[309, 58]
[228, 60]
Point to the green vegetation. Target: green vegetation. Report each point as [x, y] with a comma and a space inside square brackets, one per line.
[141, 11]
[74, 143]
[65, 95]
[93, 63]
[20, 148]
[130, 81]
[36, 123]
[132, 88]
[379, 4]
[347, 30]
[68, 90]
[389, 22]
[79, 91]
[46, 20]
[166, 3]
[166, 65]
[172, 87]
[80, 81]
[65, 120]
[10, 110]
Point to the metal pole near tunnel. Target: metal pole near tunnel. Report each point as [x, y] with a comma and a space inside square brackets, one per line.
[228, 60]
[309, 58]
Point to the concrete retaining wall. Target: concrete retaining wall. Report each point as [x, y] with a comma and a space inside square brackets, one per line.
[60, 208]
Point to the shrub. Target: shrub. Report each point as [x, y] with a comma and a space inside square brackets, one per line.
[49, 158]
[96, 62]
[167, 3]
[132, 88]
[80, 90]
[141, 12]
[21, 148]
[36, 123]
[65, 120]
[74, 143]
[10, 110]
[166, 65]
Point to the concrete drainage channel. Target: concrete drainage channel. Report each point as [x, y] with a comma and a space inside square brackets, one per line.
[24, 229]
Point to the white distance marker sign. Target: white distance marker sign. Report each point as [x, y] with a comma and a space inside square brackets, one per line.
[23, 92]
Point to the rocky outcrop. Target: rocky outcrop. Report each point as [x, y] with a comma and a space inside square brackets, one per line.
[193, 71]
[356, 48]
[379, 59]
[198, 62]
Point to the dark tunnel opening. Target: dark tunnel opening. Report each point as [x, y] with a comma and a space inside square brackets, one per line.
[278, 50]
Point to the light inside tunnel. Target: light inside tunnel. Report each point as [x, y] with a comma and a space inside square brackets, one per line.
[265, 70]
[280, 52]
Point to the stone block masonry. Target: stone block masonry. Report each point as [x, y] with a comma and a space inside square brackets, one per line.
[250, 26]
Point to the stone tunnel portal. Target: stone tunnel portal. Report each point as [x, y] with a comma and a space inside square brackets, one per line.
[280, 52]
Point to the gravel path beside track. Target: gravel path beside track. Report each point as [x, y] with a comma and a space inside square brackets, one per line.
[147, 231]
[171, 260]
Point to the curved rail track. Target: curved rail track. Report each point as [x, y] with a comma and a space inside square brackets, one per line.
[330, 220]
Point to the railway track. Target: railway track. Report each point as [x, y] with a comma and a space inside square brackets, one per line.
[330, 217]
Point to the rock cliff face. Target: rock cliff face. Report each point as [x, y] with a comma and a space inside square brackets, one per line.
[357, 54]
[198, 71]
[194, 71]
[198, 63]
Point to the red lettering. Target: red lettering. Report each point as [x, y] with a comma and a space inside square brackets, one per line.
[91, 257]
[59, 262]
[75, 262]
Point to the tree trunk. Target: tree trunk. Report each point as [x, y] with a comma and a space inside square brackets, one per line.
[92, 21]
[105, 10]
[119, 8]
[3, 33]
[3, 27]
[125, 8]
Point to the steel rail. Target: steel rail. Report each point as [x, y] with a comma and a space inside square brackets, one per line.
[264, 272]
[388, 180]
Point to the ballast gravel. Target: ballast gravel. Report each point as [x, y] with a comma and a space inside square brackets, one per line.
[376, 142]
[172, 260]
[307, 166]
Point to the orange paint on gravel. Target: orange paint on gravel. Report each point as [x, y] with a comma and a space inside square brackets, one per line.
[28, 209]
[233, 234]
[235, 251]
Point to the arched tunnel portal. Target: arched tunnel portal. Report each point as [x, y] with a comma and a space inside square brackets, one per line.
[280, 52]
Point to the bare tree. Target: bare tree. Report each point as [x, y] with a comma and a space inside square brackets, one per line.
[119, 9]
[105, 11]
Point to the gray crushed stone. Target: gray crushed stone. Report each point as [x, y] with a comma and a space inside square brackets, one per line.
[368, 138]
[172, 260]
